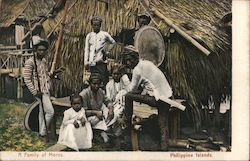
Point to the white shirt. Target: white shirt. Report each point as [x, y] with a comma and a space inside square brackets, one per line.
[152, 77]
[94, 44]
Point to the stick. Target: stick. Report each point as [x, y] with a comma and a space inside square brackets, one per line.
[39, 87]
[60, 21]
[37, 24]
[59, 41]
[181, 32]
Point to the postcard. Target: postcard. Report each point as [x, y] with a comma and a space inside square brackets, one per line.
[124, 80]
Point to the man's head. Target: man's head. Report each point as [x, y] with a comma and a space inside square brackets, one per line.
[130, 56]
[143, 19]
[95, 81]
[117, 72]
[96, 23]
[41, 48]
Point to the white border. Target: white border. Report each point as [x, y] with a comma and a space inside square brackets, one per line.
[240, 110]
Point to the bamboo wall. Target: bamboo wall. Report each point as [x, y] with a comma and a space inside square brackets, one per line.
[7, 36]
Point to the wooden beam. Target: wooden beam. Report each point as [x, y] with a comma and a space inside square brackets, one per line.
[37, 24]
[59, 22]
[181, 32]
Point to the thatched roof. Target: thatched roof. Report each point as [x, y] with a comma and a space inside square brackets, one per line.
[192, 75]
[10, 10]
[28, 9]
[198, 18]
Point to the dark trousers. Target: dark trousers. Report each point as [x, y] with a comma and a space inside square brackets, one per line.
[101, 68]
[163, 110]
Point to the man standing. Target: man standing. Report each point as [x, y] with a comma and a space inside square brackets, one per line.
[150, 78]
[38, 68]
[95, 44]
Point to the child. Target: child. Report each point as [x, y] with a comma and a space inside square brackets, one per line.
[75, 131]
[115, 92]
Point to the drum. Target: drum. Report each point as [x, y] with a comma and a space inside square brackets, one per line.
[150, 44]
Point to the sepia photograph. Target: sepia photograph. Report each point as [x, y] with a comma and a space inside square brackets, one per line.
[124, 80]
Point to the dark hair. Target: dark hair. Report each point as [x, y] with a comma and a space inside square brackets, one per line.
[147, 18]
[74, 96]
[96, 18]
[95, 76]
[118, 67]
[42, 43]
[130, 55]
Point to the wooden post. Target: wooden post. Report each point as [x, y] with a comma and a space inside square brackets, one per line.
[19, 76]
[134, 139]
[174, 121]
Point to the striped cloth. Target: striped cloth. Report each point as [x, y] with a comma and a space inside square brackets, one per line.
[30, 76]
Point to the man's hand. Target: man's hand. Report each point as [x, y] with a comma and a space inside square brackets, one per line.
[39, 94]
[57, 72]
[76, 124]
[110, 115]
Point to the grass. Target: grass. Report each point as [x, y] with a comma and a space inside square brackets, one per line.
[13, 136]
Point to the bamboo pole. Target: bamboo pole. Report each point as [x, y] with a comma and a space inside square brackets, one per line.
[181, 32]
[59, 40]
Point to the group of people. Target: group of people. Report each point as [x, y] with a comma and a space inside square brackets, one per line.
[102, 109]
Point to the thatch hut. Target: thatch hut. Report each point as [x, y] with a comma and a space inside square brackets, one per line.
[193, 75]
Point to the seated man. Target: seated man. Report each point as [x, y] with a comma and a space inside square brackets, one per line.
[151, 78]
[99, 109]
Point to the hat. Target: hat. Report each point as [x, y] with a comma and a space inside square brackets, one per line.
[144, 15]
[96, 18]
[37, 41]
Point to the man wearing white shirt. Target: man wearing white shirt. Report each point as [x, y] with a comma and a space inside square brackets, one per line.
[95, 46]
[147, 75]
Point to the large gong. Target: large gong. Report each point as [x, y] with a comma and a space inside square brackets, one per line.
[150, 44]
